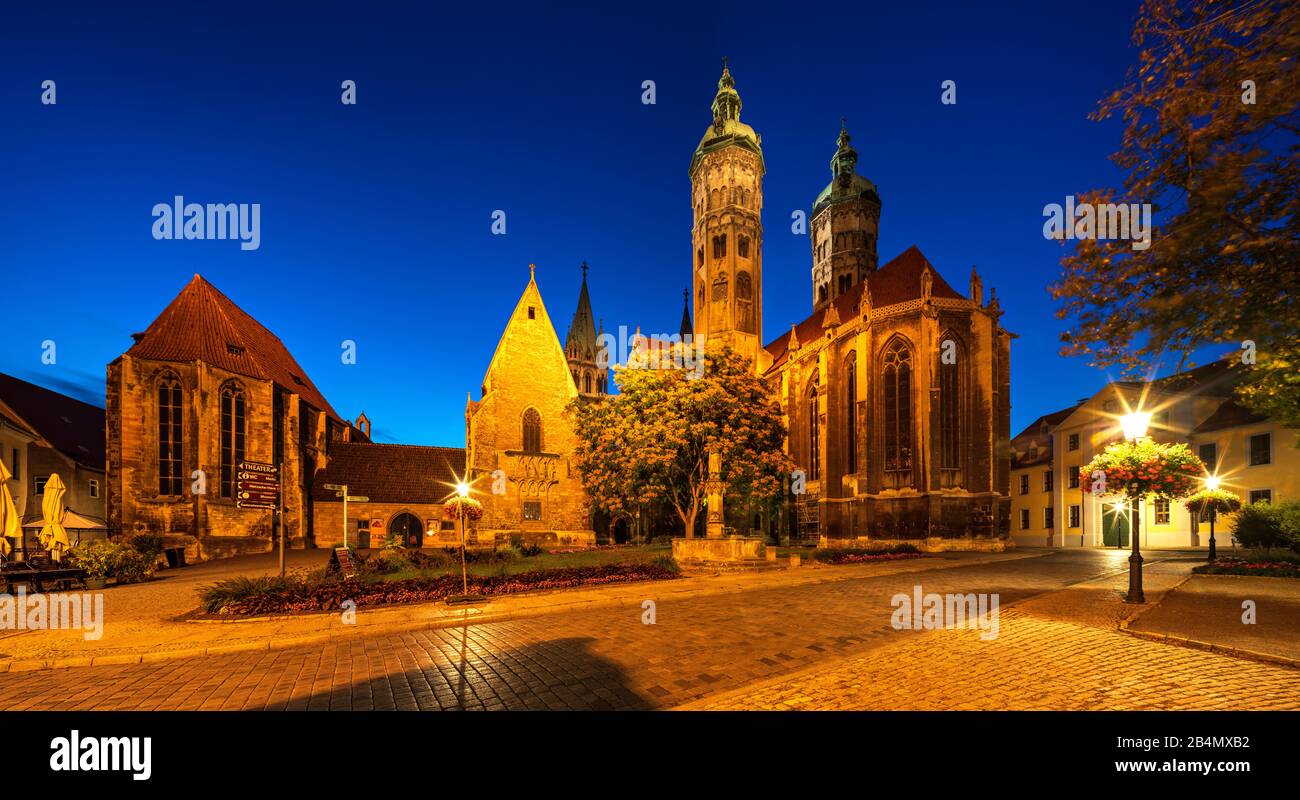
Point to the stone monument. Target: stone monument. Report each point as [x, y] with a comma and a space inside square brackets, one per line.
[717, 547]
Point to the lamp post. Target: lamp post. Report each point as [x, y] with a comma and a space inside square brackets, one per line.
[1212, 483]
[462, 489]
[1135, 425]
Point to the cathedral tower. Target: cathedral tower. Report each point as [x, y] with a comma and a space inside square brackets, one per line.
[727, 198]
[581, 346]
[845, 224]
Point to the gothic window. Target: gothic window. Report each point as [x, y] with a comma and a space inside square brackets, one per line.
[897, 383]
[532, 431]
[814, 437]
[232, 435]
[950, 404]
[845, 282]
[701, 293]
[720, 246]
[744, 286]
[586, 383]
[821, 292]
[851, 414]
[169, 435]
[742, 246]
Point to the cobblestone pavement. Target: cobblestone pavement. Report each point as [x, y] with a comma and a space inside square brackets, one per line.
[606, 658]
[1034, 664]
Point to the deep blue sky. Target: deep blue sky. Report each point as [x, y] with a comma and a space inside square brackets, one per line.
[376, 217]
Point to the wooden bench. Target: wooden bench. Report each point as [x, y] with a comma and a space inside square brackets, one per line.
[36, 576]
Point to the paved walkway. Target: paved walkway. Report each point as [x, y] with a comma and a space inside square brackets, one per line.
[1208, 608]
[606, 657]
[1034, 664]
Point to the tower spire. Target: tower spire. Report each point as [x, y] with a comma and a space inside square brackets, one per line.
[686, 328]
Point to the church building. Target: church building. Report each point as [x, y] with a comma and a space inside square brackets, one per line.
[895, 389]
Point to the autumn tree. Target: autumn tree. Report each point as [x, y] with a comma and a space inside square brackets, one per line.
[1210, 115]
[650, 442]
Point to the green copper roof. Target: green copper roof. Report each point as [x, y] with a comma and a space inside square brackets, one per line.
[845, 184]
[727, 129]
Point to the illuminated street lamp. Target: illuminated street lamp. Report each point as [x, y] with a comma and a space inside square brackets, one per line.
[462, 489]
[1212, 483]
[1135, 425]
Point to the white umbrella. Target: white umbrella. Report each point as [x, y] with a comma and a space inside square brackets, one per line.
[54, 537]
[9, 523]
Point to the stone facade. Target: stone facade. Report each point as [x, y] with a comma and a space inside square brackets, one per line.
[895, 391]
[519, 435]
[727, 236]
[204, 359]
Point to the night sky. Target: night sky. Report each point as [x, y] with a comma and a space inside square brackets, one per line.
[376, 218]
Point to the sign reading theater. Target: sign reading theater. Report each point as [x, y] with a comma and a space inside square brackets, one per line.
[258, 485]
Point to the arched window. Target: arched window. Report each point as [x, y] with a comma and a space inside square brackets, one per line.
[744, 286]
[170, 450]
[950, 364]
[814, 437]
[851, 414]
[897, 383]
[232, 435]
[586, 383]
[532, 431]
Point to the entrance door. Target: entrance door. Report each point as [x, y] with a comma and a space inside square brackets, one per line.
[1115, 525]
[407, 529]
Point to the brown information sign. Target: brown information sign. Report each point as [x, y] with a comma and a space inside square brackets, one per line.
[257, 485]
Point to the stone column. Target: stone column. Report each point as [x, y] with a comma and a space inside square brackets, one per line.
[714, 486]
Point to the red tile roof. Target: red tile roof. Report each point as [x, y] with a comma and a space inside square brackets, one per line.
[202, 324]
[896, 282]
[74, 428]
[391, 473]
[1033, 445]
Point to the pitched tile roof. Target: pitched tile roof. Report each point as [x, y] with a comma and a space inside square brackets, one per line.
[1033, 445]
[1228, 415]
[202, 324]
[390, 473]
[74, 428]
[896, 282]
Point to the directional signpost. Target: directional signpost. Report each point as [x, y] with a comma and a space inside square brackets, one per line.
[341, 490]
[257, 485]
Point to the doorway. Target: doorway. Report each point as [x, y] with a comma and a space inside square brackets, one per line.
[1114, 528]
[407, 530]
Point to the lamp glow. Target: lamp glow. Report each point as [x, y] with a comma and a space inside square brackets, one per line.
[462, 489]
[1212, 482]
[1135, 424]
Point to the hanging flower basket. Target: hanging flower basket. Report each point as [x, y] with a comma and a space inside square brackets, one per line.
[456, 506]
[1221, 501]
[1142, 469]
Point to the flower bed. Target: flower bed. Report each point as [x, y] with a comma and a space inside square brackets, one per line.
[306, 595]
[1236, 566]
[845, 555]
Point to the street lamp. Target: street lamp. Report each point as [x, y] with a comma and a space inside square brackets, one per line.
[1212, 483]
[1135, 425]
[462, 489]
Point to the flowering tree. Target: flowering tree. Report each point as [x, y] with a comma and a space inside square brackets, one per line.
[650, 442]
[1141, 469]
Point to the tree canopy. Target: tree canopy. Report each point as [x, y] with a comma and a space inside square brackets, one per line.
[650, 443]
[1211, 113]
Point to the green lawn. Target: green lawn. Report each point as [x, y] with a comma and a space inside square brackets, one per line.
[584, 558]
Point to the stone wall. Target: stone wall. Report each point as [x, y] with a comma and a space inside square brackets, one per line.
[134, 504]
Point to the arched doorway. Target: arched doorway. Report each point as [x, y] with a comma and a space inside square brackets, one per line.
[406, 528]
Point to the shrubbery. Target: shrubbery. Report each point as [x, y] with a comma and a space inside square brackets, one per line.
[307, 592]
[102, 558]
[1268, 525]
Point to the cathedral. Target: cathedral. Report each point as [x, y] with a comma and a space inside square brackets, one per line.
[894, 390]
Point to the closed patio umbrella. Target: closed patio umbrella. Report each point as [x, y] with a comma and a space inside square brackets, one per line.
[9, 523]
[54, 537]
